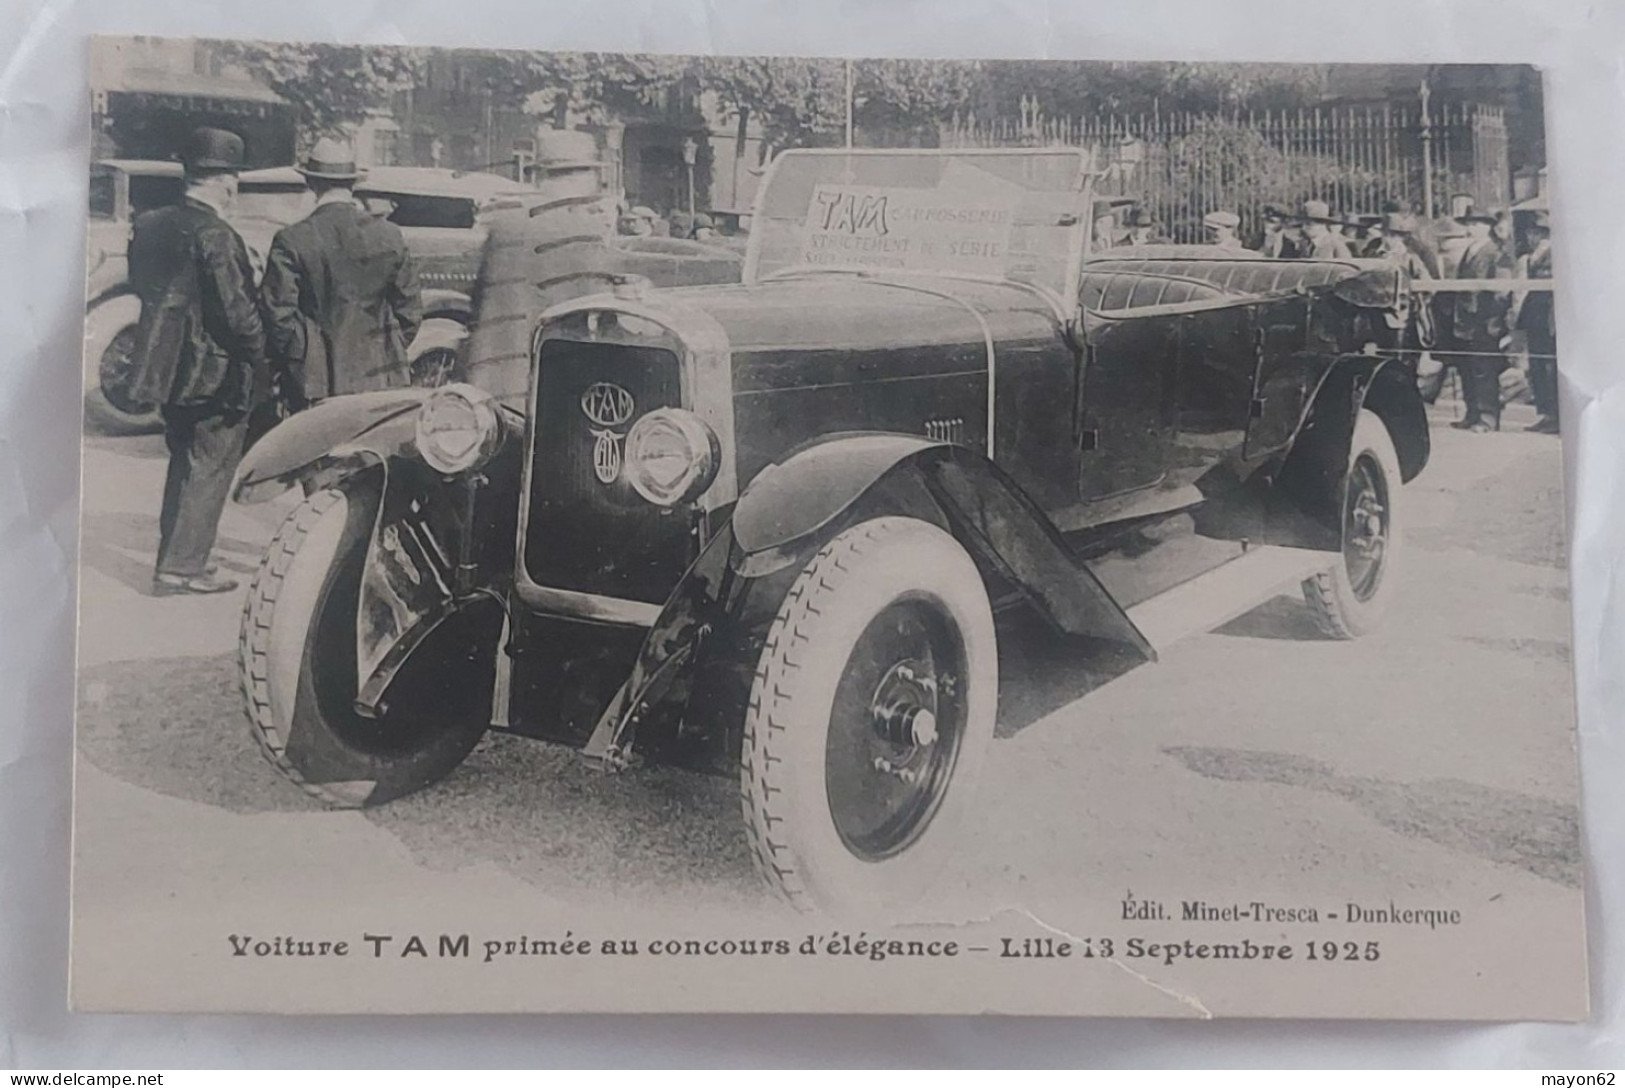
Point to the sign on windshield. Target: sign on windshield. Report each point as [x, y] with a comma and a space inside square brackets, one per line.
[1011, 215]
[919, 230]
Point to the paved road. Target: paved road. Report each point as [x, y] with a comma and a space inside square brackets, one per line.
[1431, 763]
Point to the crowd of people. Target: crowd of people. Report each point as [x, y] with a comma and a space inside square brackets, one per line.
[643, 221]
[1469, 331]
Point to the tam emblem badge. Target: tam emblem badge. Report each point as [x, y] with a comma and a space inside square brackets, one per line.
[608, 406]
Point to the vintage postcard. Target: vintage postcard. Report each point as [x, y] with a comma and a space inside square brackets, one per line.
[663, 533]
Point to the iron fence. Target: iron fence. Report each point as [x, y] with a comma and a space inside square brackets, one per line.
[1356, 158]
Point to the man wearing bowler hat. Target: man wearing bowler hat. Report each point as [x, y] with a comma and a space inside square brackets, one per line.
[199, 355]
[1476, 323]
[340, 291]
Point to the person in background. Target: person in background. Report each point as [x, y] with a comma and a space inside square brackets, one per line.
[1220, 229]
[681, 224]
[199, 355]
[1276, 242]
[1142, 229]
[1320, 241]
[1423, 241]
[705, 228]
[340, 293]
[1538, 319]
[639, 222]
[1353, 232]
[1478, 324]
[1398, 230]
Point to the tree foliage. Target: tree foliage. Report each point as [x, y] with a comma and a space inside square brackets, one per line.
[798, 101]
[596, 87]
[331, 86]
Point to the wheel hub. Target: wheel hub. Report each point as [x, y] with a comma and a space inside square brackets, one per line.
[904, 705]
[1365, 529]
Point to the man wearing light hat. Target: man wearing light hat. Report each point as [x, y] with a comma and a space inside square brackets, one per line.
[1220, 228]
[639, 221]
[340, 291]
[1320, 241]
[199, 355]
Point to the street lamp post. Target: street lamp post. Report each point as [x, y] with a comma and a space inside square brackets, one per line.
[1427, 152]
[691, 152]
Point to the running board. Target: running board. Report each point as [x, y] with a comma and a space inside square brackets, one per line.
[1219, 596]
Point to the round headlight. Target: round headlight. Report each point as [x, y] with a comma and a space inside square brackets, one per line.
[458, 429]
[671, 456]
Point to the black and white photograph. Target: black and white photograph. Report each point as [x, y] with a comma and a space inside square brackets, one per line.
[665, 533]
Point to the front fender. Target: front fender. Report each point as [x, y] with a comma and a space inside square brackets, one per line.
[793, 508]
[329, 442]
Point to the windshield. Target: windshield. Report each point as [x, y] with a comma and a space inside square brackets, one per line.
[1008, 214]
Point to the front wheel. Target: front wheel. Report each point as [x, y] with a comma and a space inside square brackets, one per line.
[1350, 598]
[297, 653]
[869, 718]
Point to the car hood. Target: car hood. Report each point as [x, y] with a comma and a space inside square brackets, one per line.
[848, 312]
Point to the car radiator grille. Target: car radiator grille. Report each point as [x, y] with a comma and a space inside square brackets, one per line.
[587, 529]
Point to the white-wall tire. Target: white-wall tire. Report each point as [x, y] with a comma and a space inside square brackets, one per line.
[296, 655]
[1350, 599]
[822, 834]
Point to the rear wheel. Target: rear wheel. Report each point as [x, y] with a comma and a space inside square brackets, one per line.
[869, 718]
[109, 364]
[1350, 598]
[298, 664]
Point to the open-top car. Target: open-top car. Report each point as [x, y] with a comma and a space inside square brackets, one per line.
[762, 529]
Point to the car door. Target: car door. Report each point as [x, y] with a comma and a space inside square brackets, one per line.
[1218, 361]
[1127, 411]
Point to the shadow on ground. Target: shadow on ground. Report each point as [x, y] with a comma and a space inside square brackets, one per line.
[122, 546]
[537, 811]
[176, 726]
[1502, 826]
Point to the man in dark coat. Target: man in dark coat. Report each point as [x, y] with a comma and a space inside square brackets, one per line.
[199, 355]
[341, 293]
[1477, 323]
[1538, 319]
[1276, 241]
